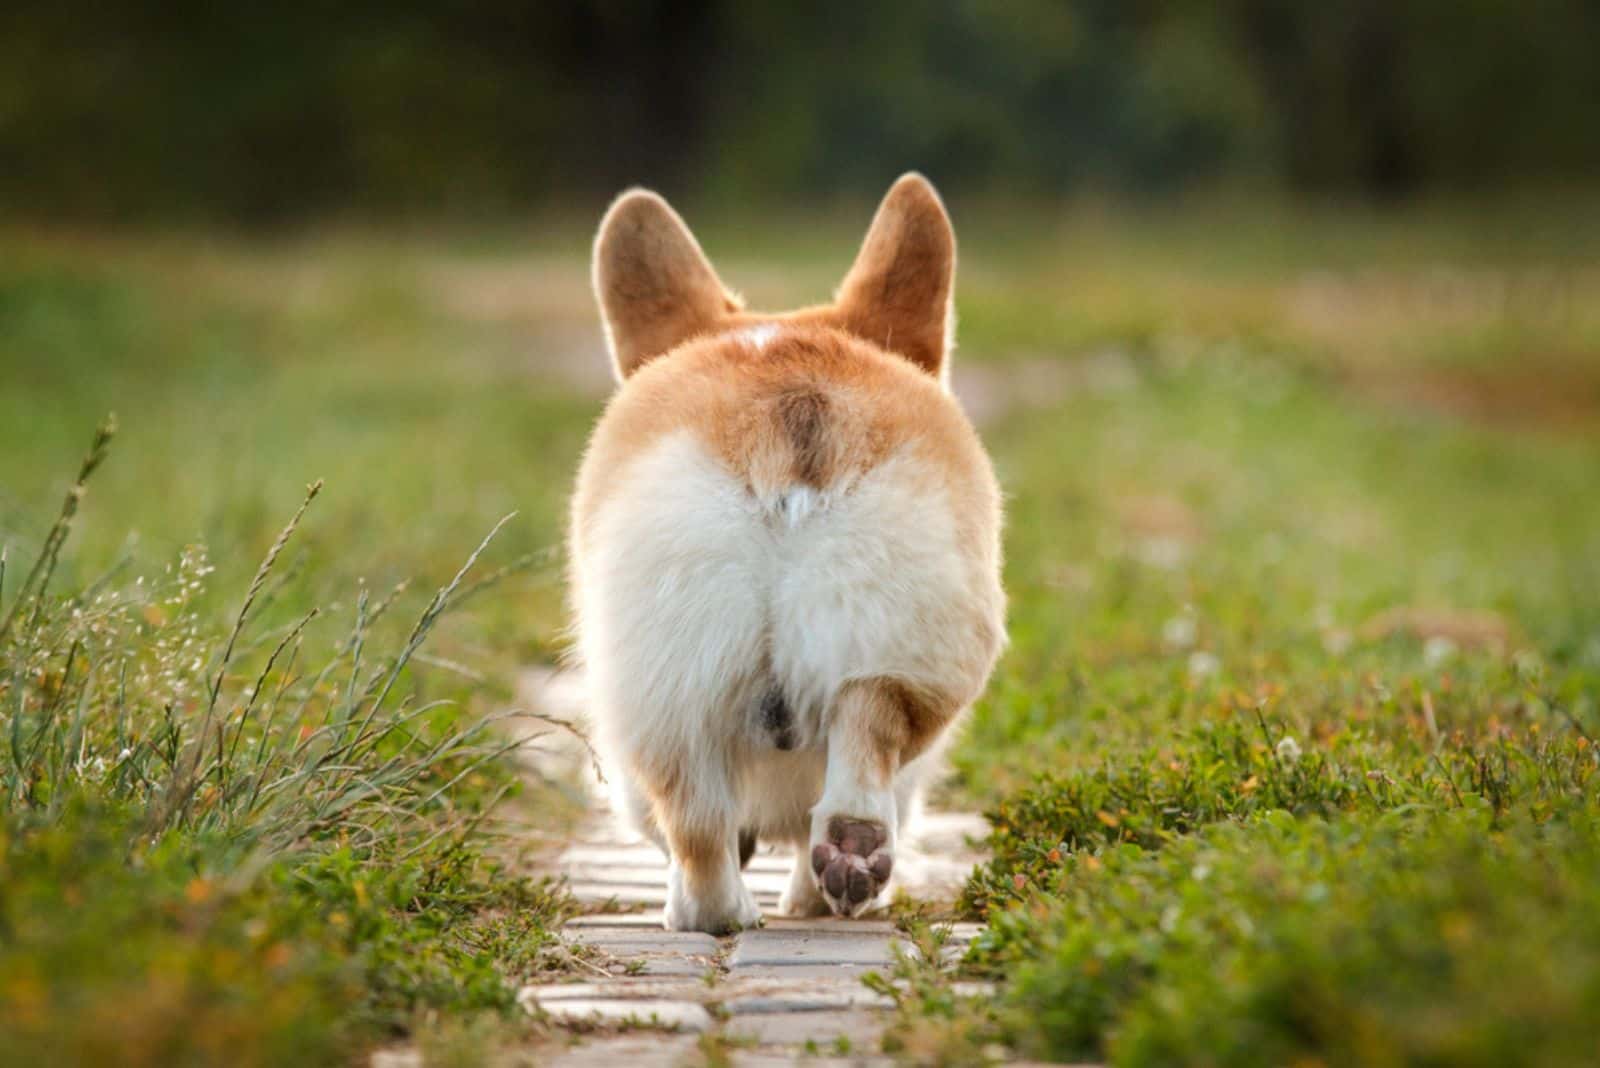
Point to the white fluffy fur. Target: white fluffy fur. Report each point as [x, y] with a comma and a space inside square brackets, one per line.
[694, 596]
[758, 336]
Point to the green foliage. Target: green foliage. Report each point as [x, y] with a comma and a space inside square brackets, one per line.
[1231, 773]
[218, 847]
[1271, 474]
[1406, 939]
[446, 931]
[488, 108]
[182, 951]
[165, 953]
[1296, 725]
[932, 1022]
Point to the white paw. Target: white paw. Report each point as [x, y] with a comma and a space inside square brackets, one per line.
[718, 914]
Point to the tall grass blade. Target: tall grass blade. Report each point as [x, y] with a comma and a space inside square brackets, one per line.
[37, 580]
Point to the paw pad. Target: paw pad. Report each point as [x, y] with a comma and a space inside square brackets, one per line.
[853, 864]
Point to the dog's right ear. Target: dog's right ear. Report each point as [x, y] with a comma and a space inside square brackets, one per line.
[656, 288]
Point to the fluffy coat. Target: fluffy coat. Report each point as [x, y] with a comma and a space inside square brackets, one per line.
[785, 558]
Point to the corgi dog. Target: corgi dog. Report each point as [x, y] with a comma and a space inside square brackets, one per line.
[785, 558]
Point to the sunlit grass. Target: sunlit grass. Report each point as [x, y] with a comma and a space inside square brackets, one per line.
[224, 843]
[1302, 557]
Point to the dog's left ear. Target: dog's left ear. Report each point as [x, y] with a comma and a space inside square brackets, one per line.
[897, 295]
[656, 288]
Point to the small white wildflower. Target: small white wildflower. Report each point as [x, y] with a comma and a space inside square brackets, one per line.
[125, 754]
[1159, 552]
[1178, 632]
[1203, 664]
[1437, 649]
[1288, 749]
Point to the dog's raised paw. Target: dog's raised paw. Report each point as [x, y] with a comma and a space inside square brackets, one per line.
[853, 864]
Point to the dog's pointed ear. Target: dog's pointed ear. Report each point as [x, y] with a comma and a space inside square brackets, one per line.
[655, 287]
[897, 295]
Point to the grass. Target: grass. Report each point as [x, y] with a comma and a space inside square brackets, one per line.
[1445, 938]
[1290, 760]
[219, 847]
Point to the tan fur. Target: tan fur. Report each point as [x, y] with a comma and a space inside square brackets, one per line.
[897, 295]
[761, 412]
[655, 286]
[827, 400]
[899, 723]
[813, 407]
[657, 289]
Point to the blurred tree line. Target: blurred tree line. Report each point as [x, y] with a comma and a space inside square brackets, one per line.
[297, 108]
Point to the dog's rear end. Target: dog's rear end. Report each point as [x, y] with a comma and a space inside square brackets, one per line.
[785, 545]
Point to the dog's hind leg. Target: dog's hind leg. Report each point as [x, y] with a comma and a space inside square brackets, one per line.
[876, 726]
[697, 814]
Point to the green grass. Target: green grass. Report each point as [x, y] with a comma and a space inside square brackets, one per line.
[224, 844]
[1441, 938]
[1289, 759]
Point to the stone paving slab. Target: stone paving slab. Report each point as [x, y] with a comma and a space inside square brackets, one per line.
[791, 947]
[796, 972]
[654, 877]
[645, 940]
[663, 967]
[665, 1015]
[593, 893]
[826, 924]
[769, 1058]
[626, 874]
[622, 988]
[816, 996]
[650, 921]
[633, 1051]
[649, 951]
[857, 1028]
[651, 896]
[792, 987]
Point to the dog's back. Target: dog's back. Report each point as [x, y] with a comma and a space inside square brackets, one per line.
[785, 561]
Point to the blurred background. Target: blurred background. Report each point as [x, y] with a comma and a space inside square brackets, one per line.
[193, 111]
[1280, 319]
[293, 241]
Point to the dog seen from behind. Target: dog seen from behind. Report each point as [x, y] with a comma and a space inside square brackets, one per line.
[785, 558]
